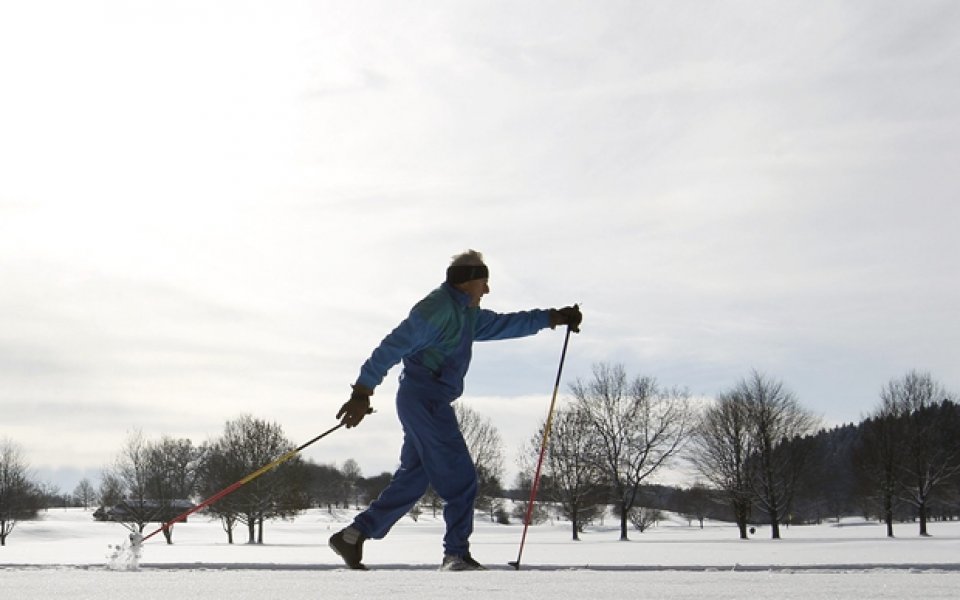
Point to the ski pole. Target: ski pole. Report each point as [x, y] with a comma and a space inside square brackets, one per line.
[543, 449]
[234, 486]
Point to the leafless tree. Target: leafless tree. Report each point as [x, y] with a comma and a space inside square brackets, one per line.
[352, 475]
[644, 518]
[247, 444]
[878, 457]
[720, 446]
[84, 493]
[172, 469]
[697, 500]
[775, 417]
[486, 449]
[18, 495]
[574, 476]
[639, 428]
[930, 452]
[110, 492]
[523, 483]
[150, 482]
[130, 469]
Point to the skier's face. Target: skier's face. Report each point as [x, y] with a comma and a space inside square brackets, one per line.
[476, 289]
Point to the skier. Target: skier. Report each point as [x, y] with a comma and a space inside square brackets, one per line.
[434, 342]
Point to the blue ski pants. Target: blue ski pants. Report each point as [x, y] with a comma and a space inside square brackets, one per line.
[434, 453]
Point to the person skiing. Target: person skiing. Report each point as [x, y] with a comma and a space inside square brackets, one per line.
[434, 342]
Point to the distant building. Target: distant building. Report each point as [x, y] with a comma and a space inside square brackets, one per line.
[145, 511]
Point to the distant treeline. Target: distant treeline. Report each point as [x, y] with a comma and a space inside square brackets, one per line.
[761, 458]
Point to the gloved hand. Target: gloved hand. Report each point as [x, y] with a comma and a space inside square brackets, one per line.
[568, 315]
[357, 407]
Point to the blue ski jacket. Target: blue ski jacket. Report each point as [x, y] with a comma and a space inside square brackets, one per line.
[435, 341]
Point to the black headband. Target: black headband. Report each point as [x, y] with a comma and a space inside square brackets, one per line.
[464, 273]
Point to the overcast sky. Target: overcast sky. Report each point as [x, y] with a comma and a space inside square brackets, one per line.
[211, 208]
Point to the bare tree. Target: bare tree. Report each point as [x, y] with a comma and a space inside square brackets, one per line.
[878, 457]
[84, 493]
[219, 469]
[697, 500]
[172, 468]
[18, 495]
[639, 429]
[721, 445]
[110, 492]
[523, 483]
[130, 470]
[644, 518]
[574, 478]
[930, 451]
[775, 417]
[486, 449]
[247, 444]
[352, 475]
[150, 482]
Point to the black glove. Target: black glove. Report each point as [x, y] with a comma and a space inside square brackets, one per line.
[357, 407]
[568, 315]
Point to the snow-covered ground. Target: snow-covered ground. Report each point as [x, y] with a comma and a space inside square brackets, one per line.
[65, 555]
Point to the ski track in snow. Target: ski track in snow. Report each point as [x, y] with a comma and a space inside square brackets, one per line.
[83, 584]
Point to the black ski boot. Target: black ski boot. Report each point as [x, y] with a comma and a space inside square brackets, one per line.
[348, 543]
[453, 562]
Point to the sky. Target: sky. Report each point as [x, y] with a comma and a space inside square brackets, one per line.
[217, 208]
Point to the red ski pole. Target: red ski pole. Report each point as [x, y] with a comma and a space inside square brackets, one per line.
[543, 449]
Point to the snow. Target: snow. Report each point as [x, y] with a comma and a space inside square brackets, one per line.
[65, 554]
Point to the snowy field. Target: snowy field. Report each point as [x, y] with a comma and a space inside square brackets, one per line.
[64, 555]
